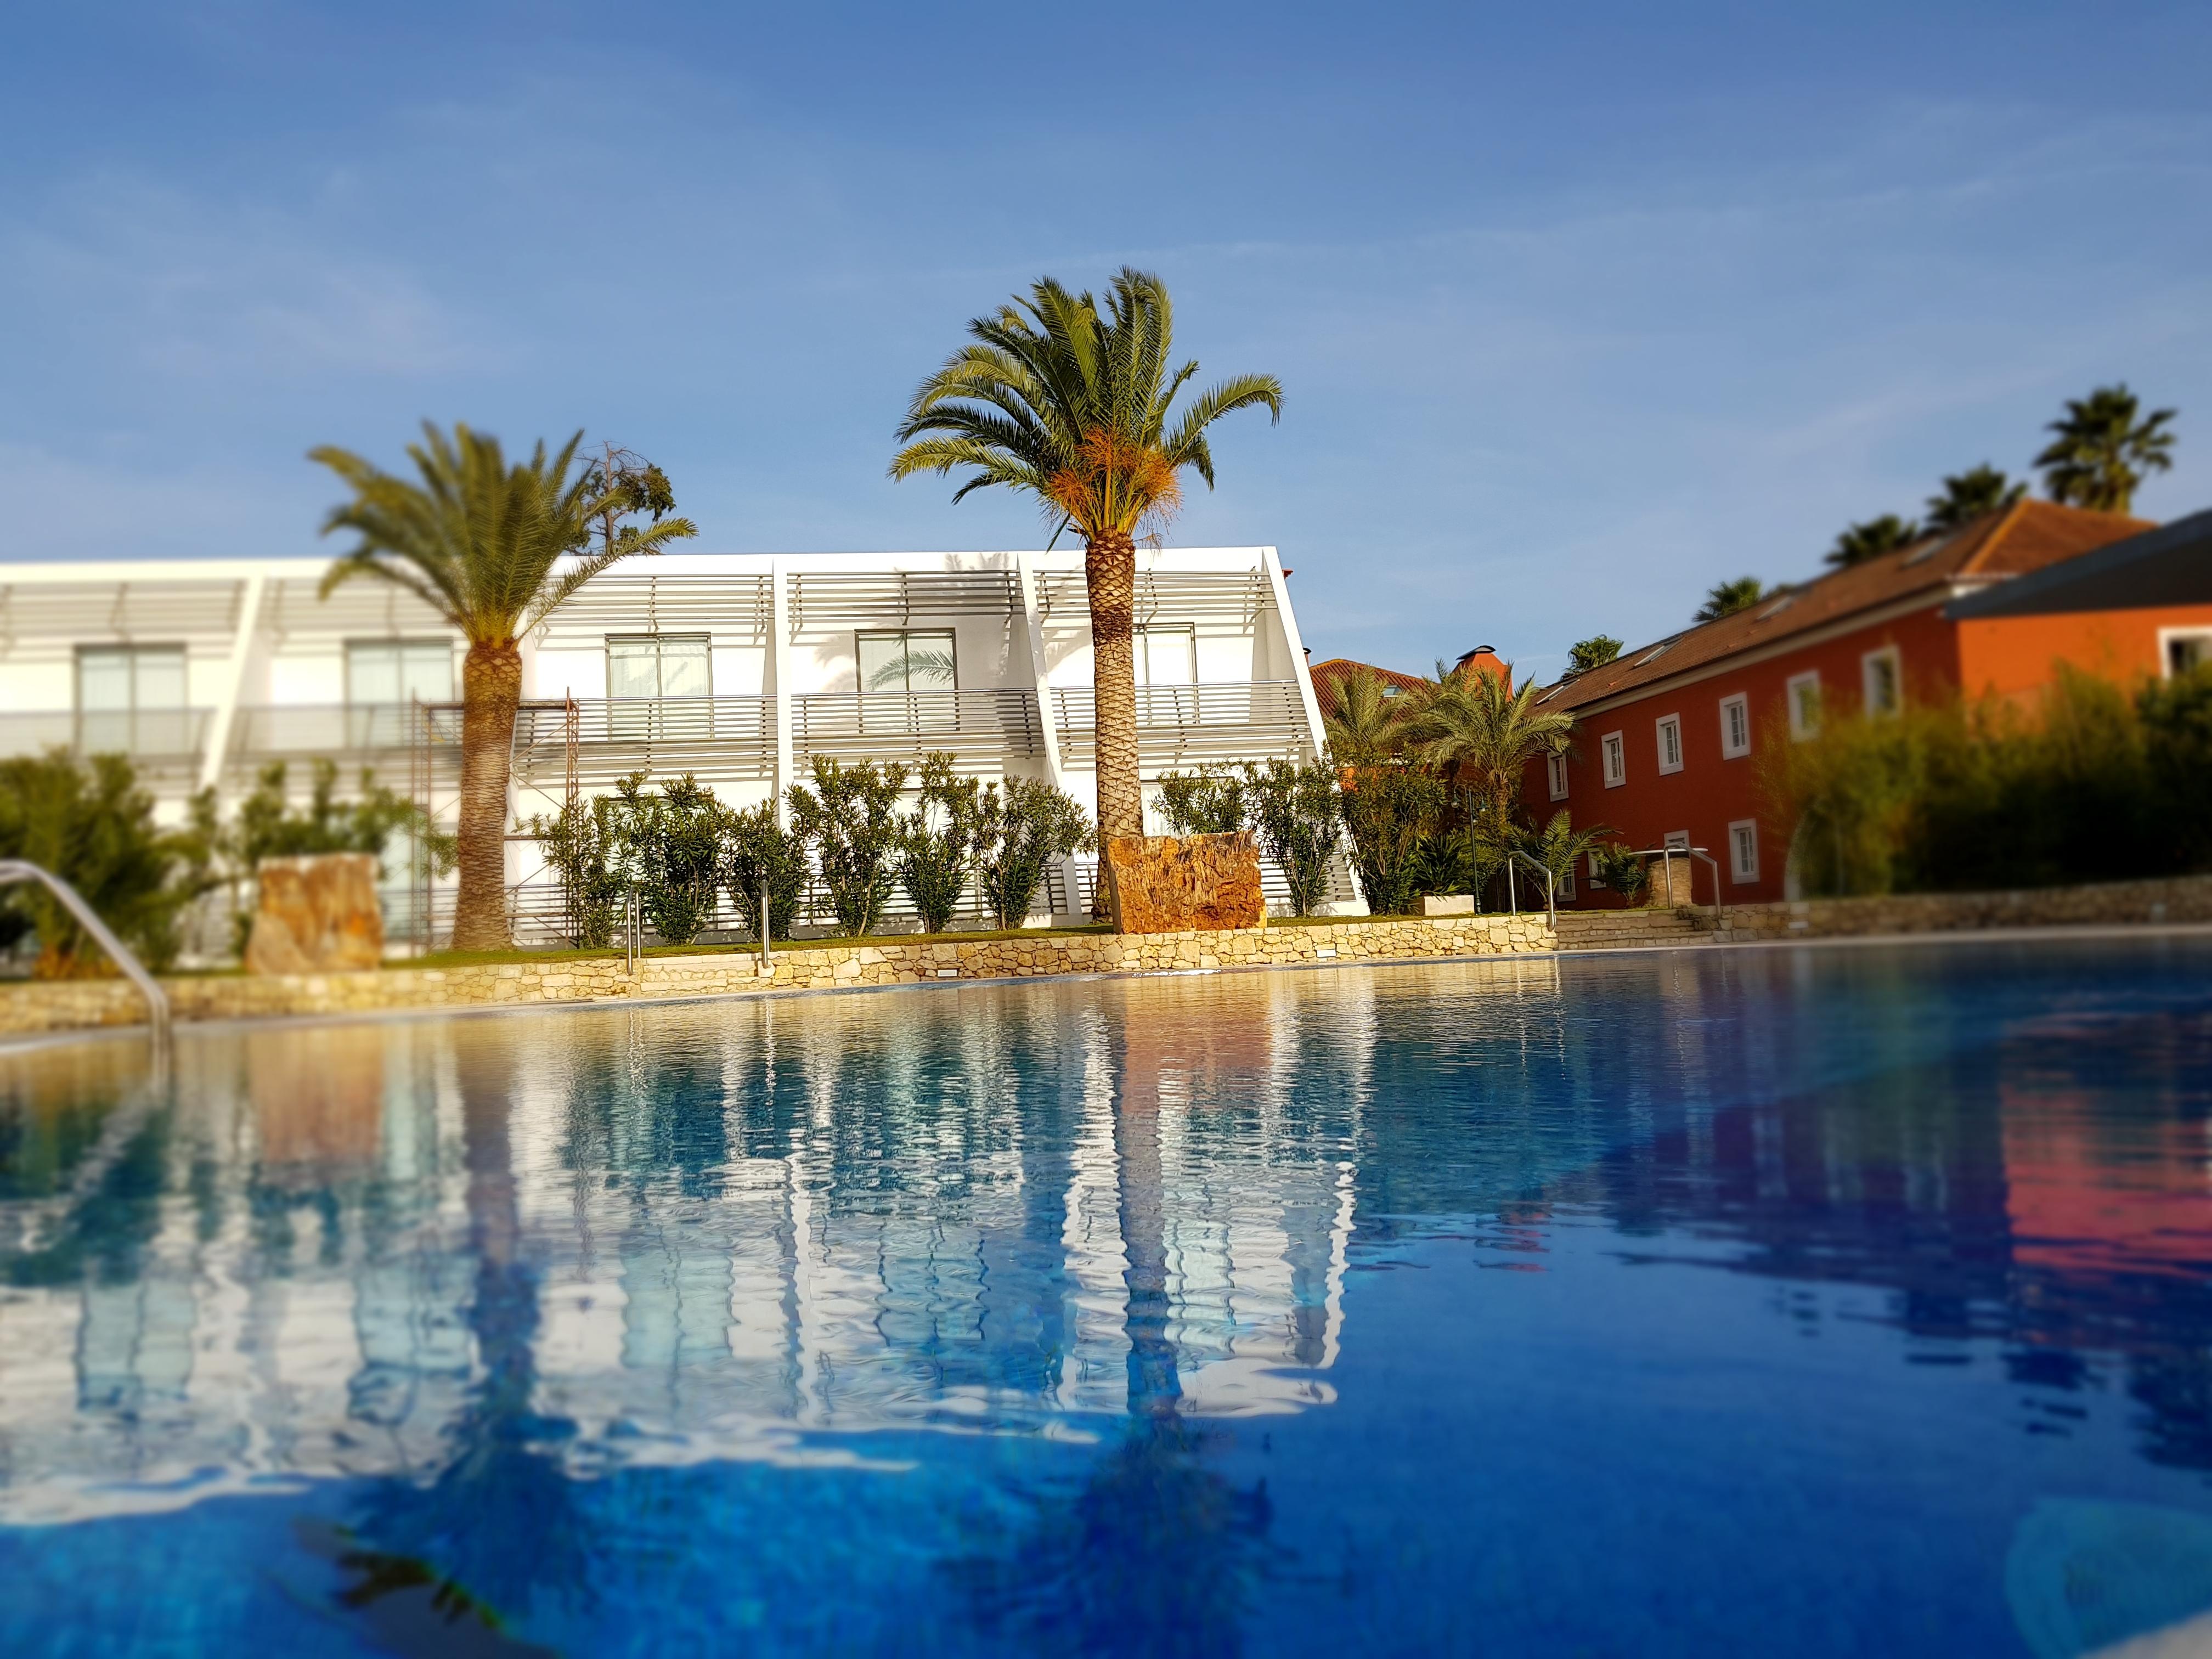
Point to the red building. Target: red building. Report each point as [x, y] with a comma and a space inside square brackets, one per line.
[1669, 735]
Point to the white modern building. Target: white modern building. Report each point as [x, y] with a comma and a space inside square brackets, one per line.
[737, 668]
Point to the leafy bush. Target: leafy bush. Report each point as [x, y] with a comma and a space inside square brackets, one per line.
[1388, 808]
[758, 852]
[1620, 869]
[585, 846]
[1021, 827]
[937, 843]
[268, 827]
[674, 842]
[1457, 859]
[1558, 844]
[90, 823]
[1294, 814]
[1214, 801]
[850, 818]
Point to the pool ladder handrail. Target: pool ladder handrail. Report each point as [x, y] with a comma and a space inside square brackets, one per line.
[1666, 856]
[1550, 886]
[13, 870]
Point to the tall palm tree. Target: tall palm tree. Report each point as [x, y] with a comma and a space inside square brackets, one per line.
[1872, 539]
[1071, 402]
[1725, 598]
[1974, 493]
[1363, 727]
[2101, 451]
[479, 541]
[1487, 732]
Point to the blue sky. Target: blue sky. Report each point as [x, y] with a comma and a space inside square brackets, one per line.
[1574, 317]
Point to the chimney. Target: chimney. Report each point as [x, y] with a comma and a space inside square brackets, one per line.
[1483, 659]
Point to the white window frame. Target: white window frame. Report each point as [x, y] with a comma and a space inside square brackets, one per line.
[1869, 665]
[1612, 754]
[2169, 637]
[1555, 771]
[660, 642]
[1743, 850]
[1666, 726]
[1800, 727]
[400, 648]
[1733, 746]
[929, 638]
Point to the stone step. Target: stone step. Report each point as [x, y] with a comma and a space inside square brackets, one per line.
[1609, 930]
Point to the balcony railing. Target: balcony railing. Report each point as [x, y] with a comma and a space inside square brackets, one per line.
[154, 736]
[283, 732]
[1190, 725]
[984, 727]
[711, 737]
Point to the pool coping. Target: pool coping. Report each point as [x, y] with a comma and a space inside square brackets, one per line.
[26, 1042]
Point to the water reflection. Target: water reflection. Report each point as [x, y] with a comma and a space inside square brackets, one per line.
[479, 1268]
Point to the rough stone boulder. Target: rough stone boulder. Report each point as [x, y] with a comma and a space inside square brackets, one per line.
[1174, 883]
[317, 915]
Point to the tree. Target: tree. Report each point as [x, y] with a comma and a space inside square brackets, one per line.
[1291, 809]
[2101, 451]
[1214, 801]
[1018, 831]
[850, 818]
[1387, 810]
[1725, 598]
[1363, 728]
[937, 843]
[480, 541]
[1486, 733]
[1558, 844]
[1972, 495]
[1593, 652]
[1872, 539]
[1072, 402]
[673, 845]
[759, 855]
[584, 845]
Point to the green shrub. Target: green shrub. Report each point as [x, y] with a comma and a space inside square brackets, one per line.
[850, 818]
[584, 846]
[937, 843]
[1291, 809]
[674, 842]
[267, 826]
[1214, 801]
[2176, 721]
[1388, 808]
[1021, 826]
[757, 852]
[89, 824]
[1620, 869]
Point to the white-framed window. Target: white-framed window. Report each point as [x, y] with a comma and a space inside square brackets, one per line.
[1555, 770]
[131, 700]
[1881, 679]
[382, 672]
[660, 665]
[1612, 750]
[1803, 692]
[1677, 841]
[1565, 890]
[910, 659]
[1670, 729]
[1168, 656]
[1743, 850]
[1596, 871]
[1735, 727]
[2183, 650]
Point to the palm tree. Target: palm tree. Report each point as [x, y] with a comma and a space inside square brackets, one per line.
[1071, 402]
[2098, 459]
[1725, 598]
[1872, 539]
[1485, 732]
[1363, 727]
[1593, 652]
[478, 541]
[1558, 846]
[1972, 495]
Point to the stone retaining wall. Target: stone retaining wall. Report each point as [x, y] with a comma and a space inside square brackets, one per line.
[2182, 898]
[52, 1006]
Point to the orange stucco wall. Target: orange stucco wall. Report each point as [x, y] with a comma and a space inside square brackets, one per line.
[2013, 656]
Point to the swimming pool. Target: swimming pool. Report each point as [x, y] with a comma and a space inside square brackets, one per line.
[1821, 1301]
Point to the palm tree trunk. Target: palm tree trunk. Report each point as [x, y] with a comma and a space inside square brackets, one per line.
[491, 687]
[1110, 575]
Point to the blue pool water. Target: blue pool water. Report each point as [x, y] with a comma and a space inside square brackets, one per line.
[1847, 1301]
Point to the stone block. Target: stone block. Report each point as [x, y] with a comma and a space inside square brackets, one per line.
[1447, 904]
[1171, 884]
[316, 914]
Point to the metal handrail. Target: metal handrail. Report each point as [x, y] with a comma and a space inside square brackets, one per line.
[1666, 856]
[157, 1000]
[1551, 884]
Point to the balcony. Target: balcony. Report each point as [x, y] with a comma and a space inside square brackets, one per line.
[728, 738]
[983, 730]
[156, 738]
[1179, 727]
[361, 732]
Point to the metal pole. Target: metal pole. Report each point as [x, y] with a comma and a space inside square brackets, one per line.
[766, 927]
[157, 1000]
[1512, 893]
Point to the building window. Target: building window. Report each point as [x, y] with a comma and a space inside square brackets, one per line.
[1565, 890]
[1804, 695]
[1169, 656]
[1883, 678]
[1612, 747]
[131, 700]
[1555, 767]
[1670, 743]
[1596, 871]
[659, 665]
[1735, 727]
[381, 673]
[911, 660]
[1743, 850]
[2184, 651]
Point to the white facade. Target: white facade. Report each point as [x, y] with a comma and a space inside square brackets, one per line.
[736, 667]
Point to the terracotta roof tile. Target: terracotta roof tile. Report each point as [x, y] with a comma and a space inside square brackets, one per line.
[2026, 536]
[1327, 676]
